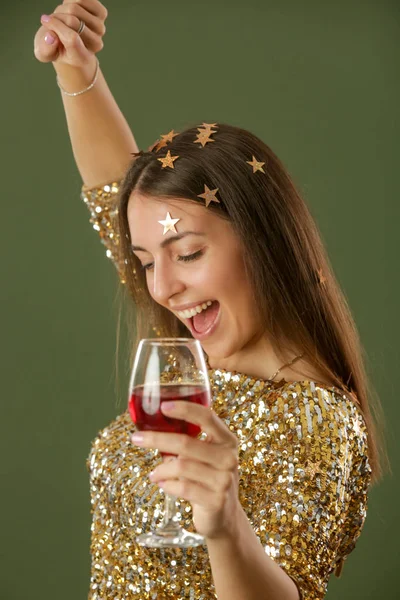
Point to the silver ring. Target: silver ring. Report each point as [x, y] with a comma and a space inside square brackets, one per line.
[82, 26]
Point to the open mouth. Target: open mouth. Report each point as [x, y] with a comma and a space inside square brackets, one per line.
[204, 323]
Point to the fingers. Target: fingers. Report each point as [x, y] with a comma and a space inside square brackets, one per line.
[194, 492]
[90, 39]
[46, 45]
[93, 6]
[68, 37]
[223, 459]
[73, 13]
[58, 40]
[202, 416]
[175, 443]
[205, 475]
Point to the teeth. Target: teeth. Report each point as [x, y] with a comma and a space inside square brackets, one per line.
[191, 312]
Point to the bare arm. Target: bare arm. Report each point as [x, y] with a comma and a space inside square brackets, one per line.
[101, 139]
[242, 570]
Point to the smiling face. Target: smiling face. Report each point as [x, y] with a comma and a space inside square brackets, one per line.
[203, 269]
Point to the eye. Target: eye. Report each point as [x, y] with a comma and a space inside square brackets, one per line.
[147, 267]
[189, 257]
[185, 258]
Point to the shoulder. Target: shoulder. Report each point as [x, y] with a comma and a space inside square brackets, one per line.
[326, 413]
[110, 187]
[115, 435]
[331, 400]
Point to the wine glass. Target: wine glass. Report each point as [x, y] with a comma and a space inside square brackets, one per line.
[168, 369]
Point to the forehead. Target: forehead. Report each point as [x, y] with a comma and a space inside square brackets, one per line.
[144, 212]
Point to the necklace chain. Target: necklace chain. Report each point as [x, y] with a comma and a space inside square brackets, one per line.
[280, 368]
[286, 365]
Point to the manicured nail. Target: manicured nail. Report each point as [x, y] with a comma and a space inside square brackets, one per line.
[168, 405]
[49, 39]
[45, 18]
[137, 438]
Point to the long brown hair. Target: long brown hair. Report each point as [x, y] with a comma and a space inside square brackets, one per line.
[295, 288]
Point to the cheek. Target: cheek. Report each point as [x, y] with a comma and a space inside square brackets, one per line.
[230, 276]
[236, 292]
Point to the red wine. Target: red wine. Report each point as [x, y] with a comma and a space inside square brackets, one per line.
[145, 412]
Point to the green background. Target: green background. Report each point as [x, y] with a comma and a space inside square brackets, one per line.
[319, 82]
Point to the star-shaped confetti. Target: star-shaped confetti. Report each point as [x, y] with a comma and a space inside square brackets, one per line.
[208, 126]
[169, 224]
[158, 144]
[151, 148]
[209, 195]
[204, 137]
[136, 154]
[322, 279]
[168, 160]
[313, 468]
[161, 144]
[169, 136]
[257, 165]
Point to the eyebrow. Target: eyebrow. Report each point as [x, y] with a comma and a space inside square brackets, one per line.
[169, 240]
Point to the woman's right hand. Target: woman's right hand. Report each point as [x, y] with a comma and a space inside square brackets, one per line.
[68, 47]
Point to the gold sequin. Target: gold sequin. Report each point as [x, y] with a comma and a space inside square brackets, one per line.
[304, 480]
[103, 207]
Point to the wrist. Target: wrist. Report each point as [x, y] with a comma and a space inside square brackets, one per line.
[72, 79]
[230, 531]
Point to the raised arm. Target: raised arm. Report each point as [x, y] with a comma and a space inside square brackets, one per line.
[101, 139]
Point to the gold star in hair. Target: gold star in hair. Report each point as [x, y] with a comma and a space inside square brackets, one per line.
[204, 137]
[257, 166]
[169, 136]
[136, 154]
[158, 144]
[169, 224]
[168, 160]
[322, 279]
[151, 148]
[209, 195]
[208, 126]
[161, 144]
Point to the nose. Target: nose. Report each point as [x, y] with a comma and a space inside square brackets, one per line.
[166, 282]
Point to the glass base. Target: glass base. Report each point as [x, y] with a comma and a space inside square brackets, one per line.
[167, 538]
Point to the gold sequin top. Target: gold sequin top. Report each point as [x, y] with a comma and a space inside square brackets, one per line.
[304, 480]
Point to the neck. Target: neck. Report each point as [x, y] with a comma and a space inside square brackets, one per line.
[259, 360]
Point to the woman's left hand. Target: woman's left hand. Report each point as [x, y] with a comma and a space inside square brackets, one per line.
[205, 472]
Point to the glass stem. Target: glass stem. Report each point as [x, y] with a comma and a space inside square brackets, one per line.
[168, 524]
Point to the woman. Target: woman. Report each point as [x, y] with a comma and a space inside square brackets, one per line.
[211, 239]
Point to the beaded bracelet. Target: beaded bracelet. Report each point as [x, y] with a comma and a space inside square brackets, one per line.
[82, 91]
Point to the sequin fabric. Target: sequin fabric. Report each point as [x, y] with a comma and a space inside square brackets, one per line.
[102, 205]
[304, 480]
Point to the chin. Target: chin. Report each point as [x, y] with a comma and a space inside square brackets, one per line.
[219, 350]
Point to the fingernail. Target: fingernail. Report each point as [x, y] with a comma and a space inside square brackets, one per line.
[168, 405]
[45, 18]
[49, 39]
[137, 438]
